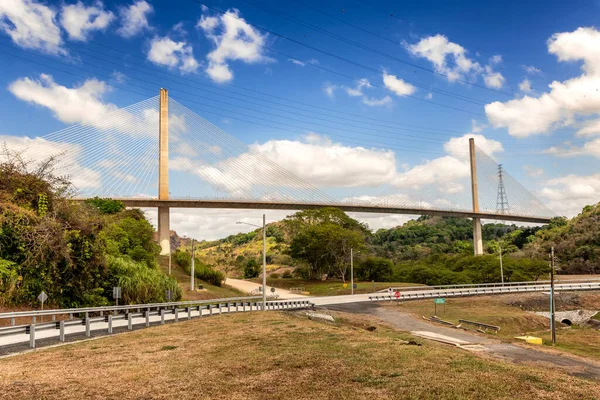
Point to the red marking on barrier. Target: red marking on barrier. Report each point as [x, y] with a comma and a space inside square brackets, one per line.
[397, 295]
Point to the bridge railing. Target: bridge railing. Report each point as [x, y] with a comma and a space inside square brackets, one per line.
[493, 284]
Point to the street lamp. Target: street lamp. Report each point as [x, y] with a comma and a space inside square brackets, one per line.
[352, 269]
[501, 270]
[264, 285]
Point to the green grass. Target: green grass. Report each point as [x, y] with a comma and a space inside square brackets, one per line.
[330, 287]
[596, 316]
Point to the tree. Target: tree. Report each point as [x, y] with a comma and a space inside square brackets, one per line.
[374, 269]
[325, 247]
[251, 270]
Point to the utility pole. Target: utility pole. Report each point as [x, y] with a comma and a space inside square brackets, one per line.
[193, 272]
[264, 231]
[552, 321]
[352, 271]
[501, 270]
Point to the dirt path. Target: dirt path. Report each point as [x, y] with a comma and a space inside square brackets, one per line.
[248, 287]
[517, 354]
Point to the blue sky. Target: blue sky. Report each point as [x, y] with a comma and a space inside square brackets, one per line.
[449, 70]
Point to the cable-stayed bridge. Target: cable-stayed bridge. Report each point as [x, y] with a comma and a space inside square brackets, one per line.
[158, 153]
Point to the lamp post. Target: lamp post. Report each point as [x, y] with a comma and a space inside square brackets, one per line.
[501, 270]
[264, 271]
[192, 275]
[352, 269]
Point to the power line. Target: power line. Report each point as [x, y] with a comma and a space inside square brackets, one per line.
[354, 79]
[304, 129]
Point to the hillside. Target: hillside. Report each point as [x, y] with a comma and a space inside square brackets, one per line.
[576, 242]
[428, 250]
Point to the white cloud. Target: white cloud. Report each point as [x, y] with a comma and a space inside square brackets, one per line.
[458, 147]
[323, 163]
[79, 21]
[525, 86]
[566, 100]
[167, 52]
[531, 70]
[81, 103]
[358, 89]
[31, 25]
[134, 19]
[496, 59]
[591, 148]
[429, 96]
[438, 50]
[590, 128]
[493, 79]
[533, 172]
[237, 41]
[476, 127]
[446, 176]
[567, 195]
[372, 102]
[329, 89]
[297, 62]
[397, 85]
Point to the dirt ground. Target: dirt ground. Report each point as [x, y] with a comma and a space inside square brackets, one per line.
[519, 354]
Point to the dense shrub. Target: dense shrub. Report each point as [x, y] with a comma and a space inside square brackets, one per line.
[251, 270]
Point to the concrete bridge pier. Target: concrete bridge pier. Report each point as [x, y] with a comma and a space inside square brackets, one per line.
[164, 225]
[477, 238]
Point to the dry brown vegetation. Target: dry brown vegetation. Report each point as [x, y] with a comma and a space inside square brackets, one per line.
[274, 355]
[509, 312]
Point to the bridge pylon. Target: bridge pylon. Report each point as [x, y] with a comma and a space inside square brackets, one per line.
[164, 228]
[477, 237]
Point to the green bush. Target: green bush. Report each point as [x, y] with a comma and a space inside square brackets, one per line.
[106, 206]
[139, 283]
[287, 275]
[274, 275]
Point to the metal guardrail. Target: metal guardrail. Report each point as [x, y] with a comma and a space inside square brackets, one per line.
[427, 294]
[217, 306]
[299, 289]
[480, 325]
[88, 310]
[474, 285]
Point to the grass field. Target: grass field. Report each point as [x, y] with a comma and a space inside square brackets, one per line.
[514, 321]
[330, 287]
[279, 356]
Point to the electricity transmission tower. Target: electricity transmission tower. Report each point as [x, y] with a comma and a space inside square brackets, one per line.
[501, 199]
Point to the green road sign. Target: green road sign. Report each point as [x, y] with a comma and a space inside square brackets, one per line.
[439, 300]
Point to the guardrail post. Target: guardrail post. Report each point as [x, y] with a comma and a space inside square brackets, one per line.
[87, 326]
[12, 321]
[237, 306]
[220, 310]
[32, 336]
[61, 331]
[228, 307]
[70, 316]
[176, 312]
[129, 322]
[53, 317]
[147, 318]
[210, 310]
[189, 311]
[162, 316]
[110, 328]
[33, 319]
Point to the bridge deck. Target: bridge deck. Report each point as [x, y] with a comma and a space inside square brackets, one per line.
[261, 205]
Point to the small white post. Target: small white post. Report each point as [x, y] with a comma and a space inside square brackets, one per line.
[110, 325]
[32, 336]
